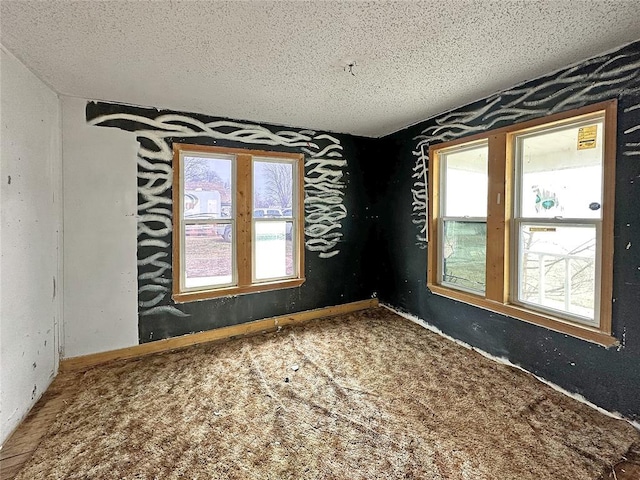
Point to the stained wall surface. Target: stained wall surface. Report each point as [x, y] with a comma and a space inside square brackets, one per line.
[608, 377]
[31, 212]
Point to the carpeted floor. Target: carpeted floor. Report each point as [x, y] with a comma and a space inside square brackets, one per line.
[361, 396]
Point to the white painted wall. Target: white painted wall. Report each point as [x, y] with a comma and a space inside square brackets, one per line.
[30, 237]
[100, 207]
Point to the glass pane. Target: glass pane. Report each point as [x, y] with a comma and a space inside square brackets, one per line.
[465, 182]
[558, 267]
[207, 255]
[272, 188]
[464, 250]
[208, 191]
[273, 249]
[562, 172]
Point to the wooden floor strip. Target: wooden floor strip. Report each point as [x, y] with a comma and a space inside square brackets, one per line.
[628, 469]
[9, 467]
[18, 449]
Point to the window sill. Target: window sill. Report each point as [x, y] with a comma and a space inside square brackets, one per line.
[584, 332]
[184, 297]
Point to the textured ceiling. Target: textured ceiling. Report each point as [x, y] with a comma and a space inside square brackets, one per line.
[283, 62]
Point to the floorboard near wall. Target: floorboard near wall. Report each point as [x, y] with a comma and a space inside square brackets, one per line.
[18, 448]
[363, 395]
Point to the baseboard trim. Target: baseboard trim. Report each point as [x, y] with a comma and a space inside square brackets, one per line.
[242, 330]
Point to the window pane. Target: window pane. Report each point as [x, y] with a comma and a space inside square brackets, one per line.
[464, 252]
[208, 257]
[273, 249]
[557, 267]
[272, 188]
[465, 182]
[208, 191]
[562, 172]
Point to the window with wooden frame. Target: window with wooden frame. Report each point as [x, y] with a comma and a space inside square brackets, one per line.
[237, 221]
[521, 221]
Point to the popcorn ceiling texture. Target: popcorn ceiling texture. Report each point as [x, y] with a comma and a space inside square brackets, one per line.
[283, 62]
[362, 396]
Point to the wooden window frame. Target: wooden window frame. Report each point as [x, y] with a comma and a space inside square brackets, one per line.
[499, 250]
[243, 238]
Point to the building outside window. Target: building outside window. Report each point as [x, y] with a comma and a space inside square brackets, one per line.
[238, 221]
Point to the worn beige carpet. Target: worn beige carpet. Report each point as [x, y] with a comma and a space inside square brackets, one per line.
[361, 396]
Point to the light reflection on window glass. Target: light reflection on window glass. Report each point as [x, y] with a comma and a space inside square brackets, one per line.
[465, 180]
[274, 257]
[562, 176]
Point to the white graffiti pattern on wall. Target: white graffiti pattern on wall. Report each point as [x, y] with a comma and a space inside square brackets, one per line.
[632, 148]
[608, 76]
[323, 184]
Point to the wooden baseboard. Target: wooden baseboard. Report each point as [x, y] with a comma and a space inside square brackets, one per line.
[233, 331]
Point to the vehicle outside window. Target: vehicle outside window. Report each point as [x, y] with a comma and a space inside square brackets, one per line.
[228, 229]
[205, 206]
[268, 213]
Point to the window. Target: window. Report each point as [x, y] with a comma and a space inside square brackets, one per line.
[522, 221]
[237, 224]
